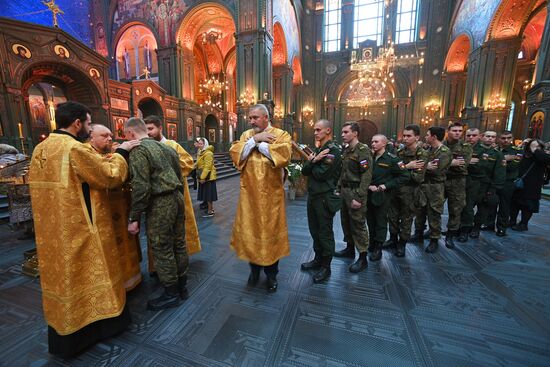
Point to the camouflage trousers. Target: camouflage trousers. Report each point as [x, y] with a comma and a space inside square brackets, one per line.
[401, 212]
[166, 236]
[455, 192]
[353, 222]
[435, 195]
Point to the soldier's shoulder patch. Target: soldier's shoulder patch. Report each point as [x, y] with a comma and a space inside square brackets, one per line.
[392, 155]
[364, 163]
[362, 147]
[444, 148]
[464, 144]
[504, 162]
[401, 165]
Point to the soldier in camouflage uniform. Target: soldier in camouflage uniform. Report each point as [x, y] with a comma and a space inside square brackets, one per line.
[353, 187]
[439, 160]
[455, 184]
[486, 175]
[512, 156]
[387, 175]
[402, 206]
[157, 192]
[323, 171]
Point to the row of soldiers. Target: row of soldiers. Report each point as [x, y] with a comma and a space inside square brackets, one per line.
[379, 189]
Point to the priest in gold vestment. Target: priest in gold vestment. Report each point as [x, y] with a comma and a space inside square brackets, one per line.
[83, 294]
[192, 240]
[260, 233]
[118, 200]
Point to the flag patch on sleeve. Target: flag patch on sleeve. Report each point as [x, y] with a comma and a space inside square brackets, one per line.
[364, 163]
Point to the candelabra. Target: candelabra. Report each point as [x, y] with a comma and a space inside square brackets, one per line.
[496, 102]
[246, 99]
[432, 107]
[213, 86]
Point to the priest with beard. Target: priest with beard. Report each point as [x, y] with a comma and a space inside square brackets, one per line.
[260, 233]
[115, 205]
[83, 294]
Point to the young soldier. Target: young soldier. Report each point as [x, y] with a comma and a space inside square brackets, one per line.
[387, 175]
[402, 208]
[439, 160]
[323, 171]
[353, 187]
[455, 184]
[512, 156]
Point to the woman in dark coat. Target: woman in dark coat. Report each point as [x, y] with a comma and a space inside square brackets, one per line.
[533, 166]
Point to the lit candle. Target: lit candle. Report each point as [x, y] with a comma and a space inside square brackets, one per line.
[20, 125]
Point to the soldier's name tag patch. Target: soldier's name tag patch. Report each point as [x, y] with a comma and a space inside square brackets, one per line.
[383, 165]
[364, 164]
[401, 165]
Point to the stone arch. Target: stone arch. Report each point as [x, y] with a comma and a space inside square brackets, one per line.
[75, 84]
[280, 53]
[211, 129]
[297, 71]
[458, 54]
[149, 106]
[284, 13]
[133, 42]
[367, 129]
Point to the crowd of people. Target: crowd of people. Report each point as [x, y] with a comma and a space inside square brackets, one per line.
[91, 196]
[484, 182]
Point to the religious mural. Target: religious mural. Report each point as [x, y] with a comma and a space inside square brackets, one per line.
[72, 21]
[476, 26]
[135, 54]
[536, 125]
[283, 13]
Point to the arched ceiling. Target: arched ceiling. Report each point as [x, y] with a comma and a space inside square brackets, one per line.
[509, 18]
[206, 18]
[279, 45]
[473, 18]
[532, 35]
[285, 15]
[457, 57]
[133, 37]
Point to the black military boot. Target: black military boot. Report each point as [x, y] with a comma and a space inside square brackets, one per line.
[170, 298]
[376, 252]
[463, 236]
[313, 264]
[361, 263]
[348, 252]
[182, 287]
[475, 232]
[432, 247]
[449, 239]
[324, 272]
[418, 238]
[400, 249]
[391, 243]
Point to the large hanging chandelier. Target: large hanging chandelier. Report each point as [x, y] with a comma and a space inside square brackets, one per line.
[383, 65]
[213, 85]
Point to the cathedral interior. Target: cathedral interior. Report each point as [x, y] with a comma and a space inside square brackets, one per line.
[382, 63]
[200, 64]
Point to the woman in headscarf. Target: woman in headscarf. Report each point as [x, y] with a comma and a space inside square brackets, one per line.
[206, 174]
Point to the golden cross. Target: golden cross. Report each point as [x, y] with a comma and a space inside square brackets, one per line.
[41, 159]
[146, 72]
[54, 8]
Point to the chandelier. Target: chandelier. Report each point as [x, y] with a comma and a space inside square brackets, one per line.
[383, 66]
[213, 86]
[246, 98]
[210, 103]
[211, 36]
[496, 102]
[365, 91]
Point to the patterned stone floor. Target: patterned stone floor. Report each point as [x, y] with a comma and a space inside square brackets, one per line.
[487, 303]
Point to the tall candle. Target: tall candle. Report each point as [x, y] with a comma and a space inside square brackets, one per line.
[20, 125]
